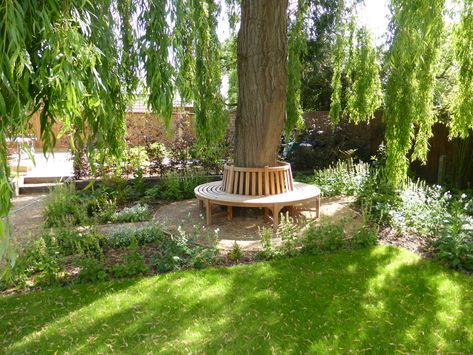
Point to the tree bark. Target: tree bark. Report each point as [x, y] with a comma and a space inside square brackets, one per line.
[262, 82]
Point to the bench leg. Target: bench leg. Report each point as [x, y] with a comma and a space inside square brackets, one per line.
[201, 204]
[317, 214]
[276, 210]
[208, 212]
[229, 213]
[266, 214]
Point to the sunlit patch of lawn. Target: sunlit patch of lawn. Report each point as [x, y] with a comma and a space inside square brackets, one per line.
[379, 300]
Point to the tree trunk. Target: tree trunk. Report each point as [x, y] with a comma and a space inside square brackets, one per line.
[262, 82]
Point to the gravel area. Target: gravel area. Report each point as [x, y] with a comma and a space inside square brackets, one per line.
[243, 229]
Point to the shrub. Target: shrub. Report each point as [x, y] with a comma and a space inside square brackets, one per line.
[365, 237]
[287, 231]
[455, 243]
[63, 207]
[144, 235]
[342, 178]
[136, 159]
[178, 253]
[172, 188]
[420, 209]
[326, 237]
[137, 213]
[91, 270]
[152, 194]
[39, 259]
[133, 265]
[71, 242]
[157, 154]
[236, 253]
[266, 236]
[179, 187]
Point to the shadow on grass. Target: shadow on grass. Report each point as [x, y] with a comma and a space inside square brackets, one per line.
[380, 300]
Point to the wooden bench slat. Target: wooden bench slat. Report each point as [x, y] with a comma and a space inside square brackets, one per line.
[260, 183]
[277, 183]
[235, 182]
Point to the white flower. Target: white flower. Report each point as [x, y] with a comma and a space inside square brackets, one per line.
[463, 196]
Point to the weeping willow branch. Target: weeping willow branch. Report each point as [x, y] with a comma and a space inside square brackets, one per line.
[297, 47]
[338, 65]
[364, 91]
[411, 68]
[462, 107]
[63, 62]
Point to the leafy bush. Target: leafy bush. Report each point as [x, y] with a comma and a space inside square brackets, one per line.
[64, 207]
[365, 237]
[40, 259]
[136, 159]
[236, 253]
[455, 243]
[342, 178]
[70, 242]
[178, 253]
[91, 270]
[177, 187]
[137, 213]
[172, 188]
[287, 231]
[266, 236]
[420, 209]
[157, 154]
[326, 237]
[144, 235]
[133, 265]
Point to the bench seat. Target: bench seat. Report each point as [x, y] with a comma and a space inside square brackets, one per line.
[212, 193]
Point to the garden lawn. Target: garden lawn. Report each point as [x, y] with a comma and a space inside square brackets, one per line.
[378, 300]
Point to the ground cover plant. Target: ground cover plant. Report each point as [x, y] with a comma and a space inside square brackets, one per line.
[72, 248]
[443, 218]
[381, 299]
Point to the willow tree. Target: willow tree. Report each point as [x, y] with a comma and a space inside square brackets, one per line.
[79, 62]
[411, 65]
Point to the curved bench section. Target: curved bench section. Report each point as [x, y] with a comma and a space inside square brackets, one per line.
[258, 181]
[213, 193]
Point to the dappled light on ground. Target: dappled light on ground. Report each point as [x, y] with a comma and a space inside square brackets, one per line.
[381, 299]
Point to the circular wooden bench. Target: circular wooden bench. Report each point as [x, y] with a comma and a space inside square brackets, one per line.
[213, 193]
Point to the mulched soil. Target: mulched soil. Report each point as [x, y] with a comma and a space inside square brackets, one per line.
[418, 244]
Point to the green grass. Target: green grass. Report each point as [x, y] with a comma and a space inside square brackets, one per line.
[377, 300]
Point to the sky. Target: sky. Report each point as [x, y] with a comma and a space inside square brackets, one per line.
[374, 14]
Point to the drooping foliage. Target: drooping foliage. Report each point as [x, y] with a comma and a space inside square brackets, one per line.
[338, 63]
[462, 119]
[364, 92]
[79, 63]
[181, 55]
[296, 49]
[59, 59]
[411, 66]
[321, 30]
[356, 83]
